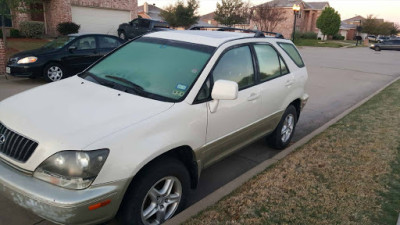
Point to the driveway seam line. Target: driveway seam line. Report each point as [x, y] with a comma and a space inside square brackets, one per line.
[237, 182]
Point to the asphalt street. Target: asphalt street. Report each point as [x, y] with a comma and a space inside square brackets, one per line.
[338, 79]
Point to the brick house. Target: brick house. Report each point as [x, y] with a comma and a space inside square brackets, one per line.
[306, 21]
[149, 11]
[348, 27]
[94, 16]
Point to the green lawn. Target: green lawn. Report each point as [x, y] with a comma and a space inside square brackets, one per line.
[349, 174]
[318, 43]
[15, 45]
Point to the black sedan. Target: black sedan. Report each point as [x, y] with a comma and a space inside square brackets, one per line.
[63, 57]
[386, 45]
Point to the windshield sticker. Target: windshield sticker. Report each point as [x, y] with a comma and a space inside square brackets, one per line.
[178, 93]
[181, 87]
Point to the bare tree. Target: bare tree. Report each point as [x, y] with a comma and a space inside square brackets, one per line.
[267, 16]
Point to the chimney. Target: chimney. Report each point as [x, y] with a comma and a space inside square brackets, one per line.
[146, 8]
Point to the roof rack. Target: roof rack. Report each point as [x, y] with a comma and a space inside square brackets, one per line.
[257, 33]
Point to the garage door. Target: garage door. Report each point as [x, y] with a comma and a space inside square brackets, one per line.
[103, 21]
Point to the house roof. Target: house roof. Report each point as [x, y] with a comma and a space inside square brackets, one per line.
[346, 26]
[154, 12]
[356, 18]
[290, 3]
[210, 38]
[317, 5]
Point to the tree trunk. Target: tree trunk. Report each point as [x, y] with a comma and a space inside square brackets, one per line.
[3, 30]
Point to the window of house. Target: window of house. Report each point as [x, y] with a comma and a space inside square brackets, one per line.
[7, 18]
[293, 53]
[236, 65]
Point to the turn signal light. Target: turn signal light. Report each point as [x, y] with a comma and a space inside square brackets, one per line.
[100, 204]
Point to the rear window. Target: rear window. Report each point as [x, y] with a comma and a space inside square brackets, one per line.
[293, 53]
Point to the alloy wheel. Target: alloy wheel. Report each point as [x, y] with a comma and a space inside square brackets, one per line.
[287, 128]
[161, 201]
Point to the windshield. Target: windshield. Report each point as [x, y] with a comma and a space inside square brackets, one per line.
[157, 67]
[59, 42]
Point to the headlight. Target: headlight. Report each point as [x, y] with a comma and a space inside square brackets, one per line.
[372, 45]
[26, 60]
[72, 169]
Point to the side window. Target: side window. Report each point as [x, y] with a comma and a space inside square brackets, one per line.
[85, 43]
[269, 62]
[293, 53]
[144, 23]
[205, 91]
[236, 65]
[284, 69]
[108, 42]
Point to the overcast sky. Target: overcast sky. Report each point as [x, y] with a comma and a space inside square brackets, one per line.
[386, 9]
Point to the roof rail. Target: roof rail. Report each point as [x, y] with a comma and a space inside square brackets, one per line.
[257, 33]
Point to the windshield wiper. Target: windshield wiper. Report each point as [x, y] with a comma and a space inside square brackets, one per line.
[98, 80]
[137, 88]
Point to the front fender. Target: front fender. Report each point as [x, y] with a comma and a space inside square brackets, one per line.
[134, 147]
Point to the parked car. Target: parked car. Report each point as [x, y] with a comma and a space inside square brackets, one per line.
[132, 133]
[140, 26]
[62, 57]
[386, 45]
[383, 38]
[371, 38]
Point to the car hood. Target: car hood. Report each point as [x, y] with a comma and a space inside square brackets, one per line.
[72, 114]
[34, 52]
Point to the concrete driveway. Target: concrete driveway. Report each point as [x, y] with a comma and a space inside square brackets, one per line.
[338, 78]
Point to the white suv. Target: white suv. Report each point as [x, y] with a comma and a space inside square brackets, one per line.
[132, 132]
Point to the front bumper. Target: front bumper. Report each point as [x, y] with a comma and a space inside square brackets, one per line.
[57, 204]
[25, 70]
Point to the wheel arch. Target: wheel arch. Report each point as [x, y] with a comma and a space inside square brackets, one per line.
[297, 105]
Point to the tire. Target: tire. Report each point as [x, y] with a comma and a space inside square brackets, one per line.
[283, 133]
[377, 48]
[156, 176]
[122, 35]
[53, 72]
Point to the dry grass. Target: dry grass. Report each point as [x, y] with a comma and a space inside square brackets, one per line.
[339, 177]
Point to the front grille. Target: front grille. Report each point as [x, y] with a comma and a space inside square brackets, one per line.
[13, 60]
[14, 145]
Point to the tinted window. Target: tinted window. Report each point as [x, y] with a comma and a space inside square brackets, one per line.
[85, 43]
[268, 61]
[108, 42]
[236, 65]
[144, 23]
[293, 53]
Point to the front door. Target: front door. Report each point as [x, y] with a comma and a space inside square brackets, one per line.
[229, 126]
[84, 54]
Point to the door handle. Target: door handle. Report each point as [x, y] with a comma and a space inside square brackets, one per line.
[253, 96]
[289, 82]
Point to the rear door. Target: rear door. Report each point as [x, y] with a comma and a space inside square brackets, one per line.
[276, 83]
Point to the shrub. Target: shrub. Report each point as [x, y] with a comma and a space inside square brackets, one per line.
[337, 37]
[14, 33]
[310, 35]
[68, 28]
[31, 29]
[1, 34]
[298, 35]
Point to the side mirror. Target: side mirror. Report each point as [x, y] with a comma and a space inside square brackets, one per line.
[223, 90]
[72, 48]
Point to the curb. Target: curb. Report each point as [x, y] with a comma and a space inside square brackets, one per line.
[237, 182]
